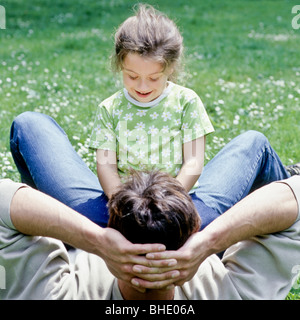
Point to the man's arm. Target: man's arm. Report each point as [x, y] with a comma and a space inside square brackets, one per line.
[270, 209]
[34, 213]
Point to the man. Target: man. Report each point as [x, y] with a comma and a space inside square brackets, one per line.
[47, 161]
[259, 267]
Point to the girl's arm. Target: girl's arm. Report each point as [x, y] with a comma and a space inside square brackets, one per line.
[193, 162]
[107, 171]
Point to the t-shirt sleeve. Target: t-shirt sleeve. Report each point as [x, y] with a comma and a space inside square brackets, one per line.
[103, 135]
[195, 123]
[8, 189]
[34, 267]
[265, 267]
[294, 184]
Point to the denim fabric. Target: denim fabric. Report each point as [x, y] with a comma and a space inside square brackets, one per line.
[246, 163]
[47, 161]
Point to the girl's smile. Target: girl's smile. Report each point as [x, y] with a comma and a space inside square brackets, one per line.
[143, 95]
[143, 78]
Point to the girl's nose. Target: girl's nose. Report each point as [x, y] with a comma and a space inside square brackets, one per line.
[143, 86]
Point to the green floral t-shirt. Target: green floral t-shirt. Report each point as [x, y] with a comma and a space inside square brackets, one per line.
[149, 136]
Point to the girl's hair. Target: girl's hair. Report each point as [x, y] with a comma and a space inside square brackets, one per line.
[151, 34]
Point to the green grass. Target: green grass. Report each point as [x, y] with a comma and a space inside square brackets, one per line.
[241, 57]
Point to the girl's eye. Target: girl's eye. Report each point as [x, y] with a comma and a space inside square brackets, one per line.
[154, 79]
[132, 78]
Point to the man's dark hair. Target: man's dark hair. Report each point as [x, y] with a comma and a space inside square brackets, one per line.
[153, 207]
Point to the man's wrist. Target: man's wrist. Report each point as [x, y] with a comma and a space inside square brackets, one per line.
[214, 241]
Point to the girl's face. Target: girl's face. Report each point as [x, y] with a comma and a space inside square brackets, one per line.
[143, 78]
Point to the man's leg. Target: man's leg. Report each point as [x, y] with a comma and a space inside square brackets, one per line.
[47, 161]
[243, 165]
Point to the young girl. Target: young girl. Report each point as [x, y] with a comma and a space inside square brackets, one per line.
[152, 123]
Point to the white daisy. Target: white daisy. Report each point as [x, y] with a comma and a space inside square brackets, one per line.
[141, 113]
[192, 100]
[153, 130]
[140, 154]
[154, 115]
[177, 171]
[153, 159]
[166, 115]
[140, 126]
[166, 140]
[154, 146]
[197, 127]
[128, 117]
[109, 137]
[94, 144]
[165, 129]
[177, 122]
[184, 126]
[117, 113]
[194, 114]
[127, 133]
[187, 138]
[98, 129]
[178, 108]
[141, 140]
[166, 153]
[176, 143]
[167, 103]
[168, 165]
[109, 125]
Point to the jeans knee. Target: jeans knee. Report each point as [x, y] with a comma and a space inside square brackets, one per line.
[34, 122]
[28, 117]
[22, 123]
[255, 138]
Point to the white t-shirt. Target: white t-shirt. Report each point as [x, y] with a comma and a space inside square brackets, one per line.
[41, 268]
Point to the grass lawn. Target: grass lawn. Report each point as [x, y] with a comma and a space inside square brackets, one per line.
[240, 57]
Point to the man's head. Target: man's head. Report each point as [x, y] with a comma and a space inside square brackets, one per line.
[153, 207]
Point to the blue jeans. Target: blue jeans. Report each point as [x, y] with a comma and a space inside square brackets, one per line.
[47, 161]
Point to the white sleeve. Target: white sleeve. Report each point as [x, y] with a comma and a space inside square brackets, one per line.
[37, 268]
[294, 184]
[7, 190]
[264, 267]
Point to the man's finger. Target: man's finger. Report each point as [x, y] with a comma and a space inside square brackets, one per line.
[159, 268]
[161, 255]
[143, 261]
[168, 275]
[149, 248]
[165, 284]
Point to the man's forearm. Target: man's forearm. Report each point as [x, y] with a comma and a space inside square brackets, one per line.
[270, 209]
[34, 213]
